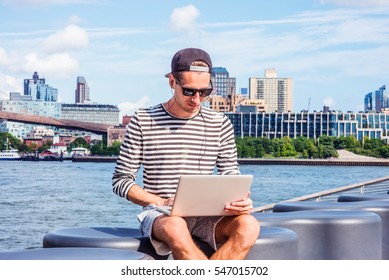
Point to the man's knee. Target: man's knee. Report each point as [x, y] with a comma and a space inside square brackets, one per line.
[244, 227]
[169, 228]
[249, 225]
[247, 229]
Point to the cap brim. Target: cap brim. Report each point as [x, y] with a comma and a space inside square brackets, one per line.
[167, 75]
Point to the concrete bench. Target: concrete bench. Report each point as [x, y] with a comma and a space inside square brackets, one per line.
[362, 197]
[380, 208]
[273, 242]
[331, 235]
[74, 254]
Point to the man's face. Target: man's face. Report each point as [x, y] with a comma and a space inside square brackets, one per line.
[189, 105]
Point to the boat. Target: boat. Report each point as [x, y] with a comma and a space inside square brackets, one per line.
[79, 152]
[10, 154]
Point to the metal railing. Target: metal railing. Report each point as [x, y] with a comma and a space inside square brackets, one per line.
[376, 186]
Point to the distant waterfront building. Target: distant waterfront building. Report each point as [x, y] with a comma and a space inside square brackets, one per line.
[24, 104]
[95, 113]
[82, 91]
[39, 90]
[311, 125]
[277, 93]
[39, 132]
[115, 134]
[224, 97]
[251, 106]
[16, 129]
[223, 84]
[377, 101]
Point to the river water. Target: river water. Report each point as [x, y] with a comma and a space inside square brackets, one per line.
[39, 197]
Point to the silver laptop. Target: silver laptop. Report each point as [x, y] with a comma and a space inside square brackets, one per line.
[206, 195]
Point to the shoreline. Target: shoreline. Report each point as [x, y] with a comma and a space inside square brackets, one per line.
[274, 161]
[332, 162]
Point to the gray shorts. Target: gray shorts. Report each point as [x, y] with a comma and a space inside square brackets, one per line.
[201, 227]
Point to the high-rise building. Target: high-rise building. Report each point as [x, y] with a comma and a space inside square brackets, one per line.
[377, 101]
[223, 84]
[82, 90]
[39, 90]
[276, 92]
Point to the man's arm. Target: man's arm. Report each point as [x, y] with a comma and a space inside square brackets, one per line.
[138, 195]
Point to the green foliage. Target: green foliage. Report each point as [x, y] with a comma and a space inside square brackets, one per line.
[79, 142]
[9, 141]
[301, 147]
[100, 149]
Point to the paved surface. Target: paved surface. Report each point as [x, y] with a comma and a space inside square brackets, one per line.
[343, 154]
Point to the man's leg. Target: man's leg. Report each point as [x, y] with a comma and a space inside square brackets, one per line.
[239, 234]
[174, 232]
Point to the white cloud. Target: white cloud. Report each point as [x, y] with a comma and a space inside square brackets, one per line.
[71, 38]
[56, 65]
[329, 101]
[4, 60]
[184, 19]
[9, 84]
[129, 108]
[75, 19]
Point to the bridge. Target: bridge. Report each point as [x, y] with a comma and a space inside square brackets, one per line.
[62, 123]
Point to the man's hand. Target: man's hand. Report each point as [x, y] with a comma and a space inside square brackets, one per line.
[167, 201]
[240, 207]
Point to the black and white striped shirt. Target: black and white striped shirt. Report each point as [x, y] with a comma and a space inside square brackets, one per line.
[168, 147]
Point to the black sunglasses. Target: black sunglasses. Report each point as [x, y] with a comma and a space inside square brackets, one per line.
[203, 92]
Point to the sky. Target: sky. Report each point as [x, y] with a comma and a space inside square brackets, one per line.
[336, 51]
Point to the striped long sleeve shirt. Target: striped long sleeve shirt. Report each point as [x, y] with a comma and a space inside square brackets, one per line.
[168, 147]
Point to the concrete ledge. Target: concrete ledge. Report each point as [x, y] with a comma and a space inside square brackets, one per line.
[331, 235]
[101, 237]
[380, 208]
[273, 243]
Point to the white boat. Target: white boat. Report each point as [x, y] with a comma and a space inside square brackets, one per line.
[79, 152]
[10, 154]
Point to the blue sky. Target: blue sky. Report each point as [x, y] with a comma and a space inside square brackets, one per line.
[336, 51]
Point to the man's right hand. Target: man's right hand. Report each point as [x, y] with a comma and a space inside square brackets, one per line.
[167, 201]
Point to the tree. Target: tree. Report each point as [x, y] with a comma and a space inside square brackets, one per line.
[7, 140]
[79, 142]
[384, 151]
[287, 147]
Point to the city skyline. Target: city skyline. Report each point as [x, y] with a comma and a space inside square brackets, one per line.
[335, 50]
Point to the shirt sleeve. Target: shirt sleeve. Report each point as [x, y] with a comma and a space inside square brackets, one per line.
[129, 160]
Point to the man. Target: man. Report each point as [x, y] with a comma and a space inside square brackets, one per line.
[181, 137]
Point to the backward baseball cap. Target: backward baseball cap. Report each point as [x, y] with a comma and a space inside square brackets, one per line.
[183, 59]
